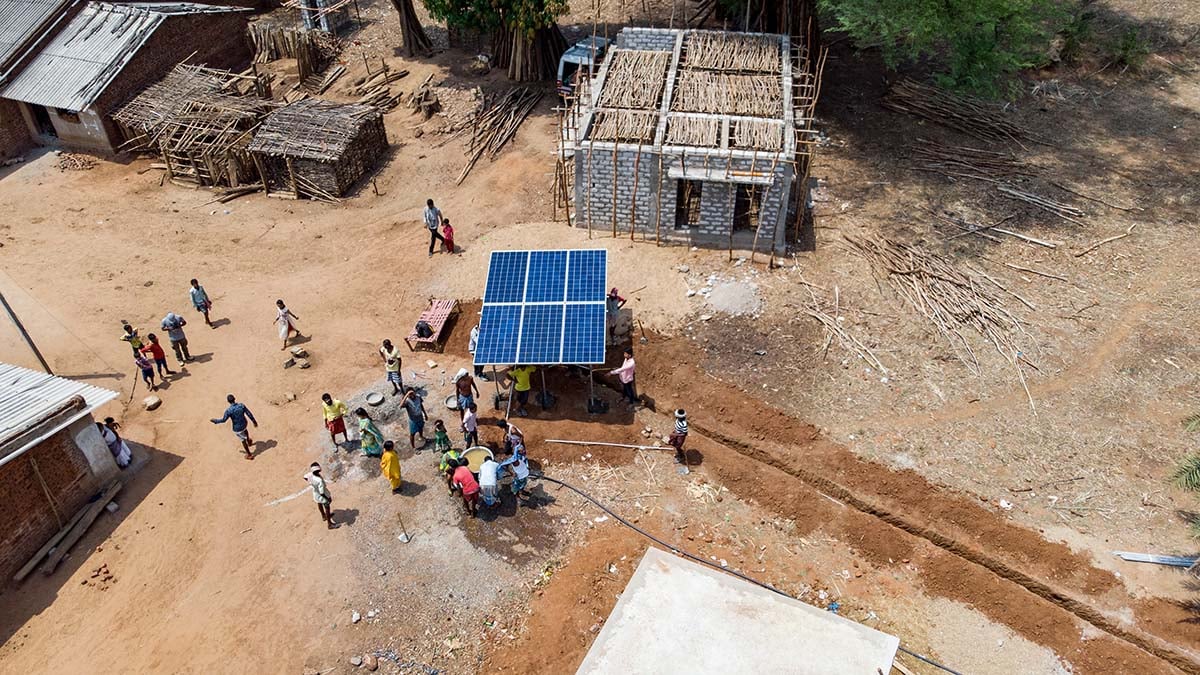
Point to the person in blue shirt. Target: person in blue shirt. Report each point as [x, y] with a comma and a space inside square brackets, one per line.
[200, 300]
[518, 465]
[237, 413]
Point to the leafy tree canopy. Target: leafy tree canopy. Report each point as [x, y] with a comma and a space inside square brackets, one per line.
[981, 44]
[527, 16]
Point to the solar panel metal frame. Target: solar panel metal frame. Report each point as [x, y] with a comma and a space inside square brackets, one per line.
[509, 269]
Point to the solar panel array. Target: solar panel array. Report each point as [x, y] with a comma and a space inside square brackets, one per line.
[543, 308]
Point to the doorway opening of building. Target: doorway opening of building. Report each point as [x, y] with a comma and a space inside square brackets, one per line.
[687, 204]
[746, 207]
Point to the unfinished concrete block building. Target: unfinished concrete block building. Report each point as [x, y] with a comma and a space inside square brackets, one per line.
[691, 136]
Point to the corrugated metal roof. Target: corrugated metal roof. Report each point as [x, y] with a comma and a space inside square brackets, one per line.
[76, 66]
[28, 394]
[19, 20]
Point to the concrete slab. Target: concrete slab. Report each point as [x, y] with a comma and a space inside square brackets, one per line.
[677, 616]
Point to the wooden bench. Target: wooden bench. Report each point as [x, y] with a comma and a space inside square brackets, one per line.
[437, 315]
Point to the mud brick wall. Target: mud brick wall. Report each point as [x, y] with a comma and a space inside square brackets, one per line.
[26, 518]
[653, 39]
[219, 41]
[14, 133]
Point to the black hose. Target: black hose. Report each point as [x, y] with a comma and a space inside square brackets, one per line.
[680, 552]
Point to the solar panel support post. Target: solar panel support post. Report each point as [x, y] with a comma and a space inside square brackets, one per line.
[545, 399]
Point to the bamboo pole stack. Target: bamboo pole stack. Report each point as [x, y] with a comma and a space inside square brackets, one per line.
[971, 116]
[496, 122]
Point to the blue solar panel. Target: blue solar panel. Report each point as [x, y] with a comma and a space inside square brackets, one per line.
[498, 328]
[583, 332]
[541, 334]
[587, 275]
[547, 276]
[544, 307]
[506, 277]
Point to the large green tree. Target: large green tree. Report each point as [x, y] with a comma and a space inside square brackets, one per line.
[976, 45]
[525, 35]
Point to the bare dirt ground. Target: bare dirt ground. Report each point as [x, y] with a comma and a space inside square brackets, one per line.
[810, 471]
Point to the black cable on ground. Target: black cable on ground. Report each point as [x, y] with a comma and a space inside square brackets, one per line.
[680, 552]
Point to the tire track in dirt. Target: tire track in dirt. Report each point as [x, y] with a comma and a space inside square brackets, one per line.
[949, 522]
[1152, 644]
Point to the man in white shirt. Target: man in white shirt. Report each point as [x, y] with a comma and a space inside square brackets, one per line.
[489, 482]
[433, 218]
[472, 343]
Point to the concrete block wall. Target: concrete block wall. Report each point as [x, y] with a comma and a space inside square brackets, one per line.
[636, 200]
[639, 204]
[651, 39]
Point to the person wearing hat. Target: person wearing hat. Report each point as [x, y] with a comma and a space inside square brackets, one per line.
[320, 494]
[464, 385]
[679, 436]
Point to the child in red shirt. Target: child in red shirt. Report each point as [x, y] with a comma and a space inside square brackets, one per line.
[160, 357]
[448, 235]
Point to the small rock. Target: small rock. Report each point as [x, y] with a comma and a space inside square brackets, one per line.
[151, 402]
[111, 507]
[299, 352]
[595, 627]
[431, 364]
[684, 268]
[356, 661]
[303, 363]
[705, 317]
[382, 573]
[371, 614]
[355, 617]
[760, 352]
[691, 293]
[148, 284]
[417, 133]
[289, 363]
[370, 662]
[290, 396]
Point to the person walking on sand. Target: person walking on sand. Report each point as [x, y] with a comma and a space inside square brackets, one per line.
[201, 301]
[392, 364]
[464, 386]
[448, 235]
[237, 414]
[131, 336]
[679, 436]
[625, 374]
[286, 320]
[147, 367]
[334, 412]
[470, 426]
[320, 493]
[156, 352]
[433, 218]
[369, 434]
[389, 465]
[414, 405]
[173, 324]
